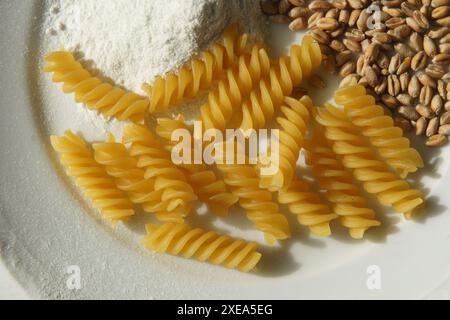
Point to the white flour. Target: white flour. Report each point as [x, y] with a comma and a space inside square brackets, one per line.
[131, 41]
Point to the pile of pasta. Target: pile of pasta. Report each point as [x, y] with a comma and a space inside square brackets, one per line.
[352, 150]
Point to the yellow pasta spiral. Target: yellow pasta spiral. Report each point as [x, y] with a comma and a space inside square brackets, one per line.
[231, 91]
[199, 74]
[130, 179]
[379, 129]
[94, 93]
[293, 125]
[204, 246]
[208, 187]
[308, 207]
[287, 74]
[158, 165]
[92, 178]
[243, 181]
[347, 200]
[358, 156]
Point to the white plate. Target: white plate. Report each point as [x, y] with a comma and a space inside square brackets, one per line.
[46, 226]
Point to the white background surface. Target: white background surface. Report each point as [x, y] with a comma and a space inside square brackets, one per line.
[9, 288]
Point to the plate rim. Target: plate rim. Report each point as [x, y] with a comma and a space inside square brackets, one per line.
[10, 13]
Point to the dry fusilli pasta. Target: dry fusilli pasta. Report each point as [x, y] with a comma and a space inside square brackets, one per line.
[347, 200]
[308, 207]
[209, 188]
[379, 128]
[217, 113]
[358, 156]
[287, 74]
[199, 74]
[158, 165]
[243, 180]
[293, 125]
[90, 176]
[130, 179]
[94, 93]
[180, 240]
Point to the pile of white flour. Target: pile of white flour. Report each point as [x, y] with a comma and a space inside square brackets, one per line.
[131, 41]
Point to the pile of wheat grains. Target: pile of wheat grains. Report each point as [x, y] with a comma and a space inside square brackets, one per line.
[399, 50]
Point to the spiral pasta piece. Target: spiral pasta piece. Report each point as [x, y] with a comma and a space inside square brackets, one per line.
[388, 139]
[282, 79]
[231, 91]
[94, 93]
[92, 178]
[208, 187]
[204, 246]
[293, 125]
[158, 165]
[347, 200]
[243, 180]
[130, 179]
[199, 74]
[358, 156]
[308, 207]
